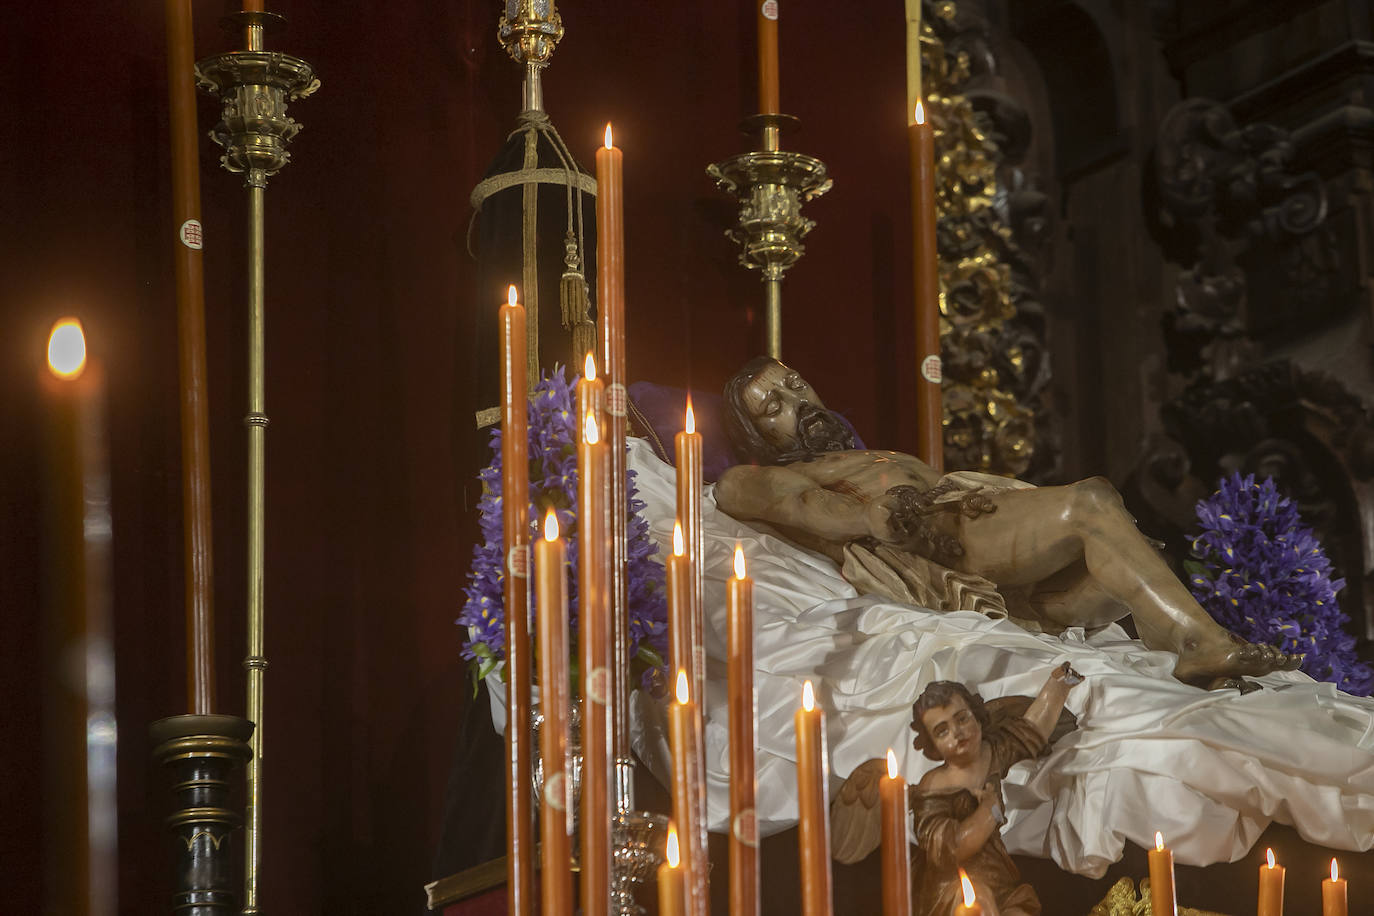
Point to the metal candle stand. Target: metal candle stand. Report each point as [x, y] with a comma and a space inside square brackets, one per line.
[254, 87]
[771, 184]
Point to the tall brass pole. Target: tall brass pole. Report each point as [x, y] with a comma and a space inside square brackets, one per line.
[256, 661]
[255, 86]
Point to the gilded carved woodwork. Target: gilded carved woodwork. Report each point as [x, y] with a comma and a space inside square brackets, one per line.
[996, 366]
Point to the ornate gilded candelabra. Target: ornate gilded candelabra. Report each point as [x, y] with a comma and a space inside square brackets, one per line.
[771, 184]
[254, 86]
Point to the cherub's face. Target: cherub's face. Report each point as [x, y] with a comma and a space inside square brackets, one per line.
[778, 400]
[954, 731]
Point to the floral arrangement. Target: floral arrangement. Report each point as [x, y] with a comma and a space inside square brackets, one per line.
[553, 484]
[1260, 572]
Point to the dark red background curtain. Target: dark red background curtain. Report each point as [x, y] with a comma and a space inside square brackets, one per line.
[370, 305]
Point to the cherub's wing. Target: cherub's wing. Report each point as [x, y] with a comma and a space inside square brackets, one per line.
[856, 818]
[1010, 707]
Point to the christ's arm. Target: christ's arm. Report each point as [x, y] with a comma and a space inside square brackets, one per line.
[788, 499]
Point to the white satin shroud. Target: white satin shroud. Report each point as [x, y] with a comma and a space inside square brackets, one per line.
[1208, 769]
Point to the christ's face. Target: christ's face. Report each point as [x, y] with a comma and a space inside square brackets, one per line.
[954, 731]
[780, 405]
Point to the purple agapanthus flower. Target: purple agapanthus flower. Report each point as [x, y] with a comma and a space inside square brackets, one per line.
[1260, 572]
[553, 485]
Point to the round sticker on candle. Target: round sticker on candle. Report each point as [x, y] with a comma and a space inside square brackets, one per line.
[932, 370]
[599, 685]
[191, 235]
[518, 561]
[769, 9]
[745, 826]
[556, 791]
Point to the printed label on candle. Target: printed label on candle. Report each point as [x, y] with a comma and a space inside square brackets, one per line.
[699, 661]
[556, 791]
[745, 826]
[932, 370]
[599, 685]
[615, 400]
[769, 9]
[191, 235]
[518, 561]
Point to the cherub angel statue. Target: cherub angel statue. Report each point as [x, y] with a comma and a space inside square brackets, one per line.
[957, 807]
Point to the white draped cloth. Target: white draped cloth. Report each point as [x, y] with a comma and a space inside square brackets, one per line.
[1210, 770]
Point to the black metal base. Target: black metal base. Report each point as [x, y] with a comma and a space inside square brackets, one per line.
[202, 752]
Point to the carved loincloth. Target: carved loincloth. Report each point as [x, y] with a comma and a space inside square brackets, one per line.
[914, 578]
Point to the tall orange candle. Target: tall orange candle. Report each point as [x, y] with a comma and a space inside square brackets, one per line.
[744, 841]
[1334, 902]
[77, 683]
[671, 886]
[689, 785]
[813, 804]
[769, 93]
[555, 821]
[970, 905]
[926, 291]
[594, 619]
[610, 304]
[1162, 901]
[1270, 887]
[896, 855]
[679, 584]
[688, 449]
[520, 851]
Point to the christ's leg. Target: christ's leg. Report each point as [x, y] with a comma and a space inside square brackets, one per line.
[1036, 534]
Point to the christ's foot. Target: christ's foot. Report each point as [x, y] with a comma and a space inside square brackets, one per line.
[1202, 664]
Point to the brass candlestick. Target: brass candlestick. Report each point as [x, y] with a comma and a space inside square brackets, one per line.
[771, 184]
[254, 86]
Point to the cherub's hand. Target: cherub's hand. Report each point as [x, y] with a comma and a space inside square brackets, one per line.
[1067, 675]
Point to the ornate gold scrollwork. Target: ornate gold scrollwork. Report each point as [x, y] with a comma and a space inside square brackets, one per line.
[989, 425]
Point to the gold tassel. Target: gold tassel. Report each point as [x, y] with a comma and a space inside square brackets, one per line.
[572, 295]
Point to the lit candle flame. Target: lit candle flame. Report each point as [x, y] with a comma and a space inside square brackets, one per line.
[672, 856]
[679, 548]
[968, 888]
[920, 113]
[590, 433]
[1159, 841]
[512, 297]
[588, 365]
[608, 135]
[681, 690]
[891, 764]
[690, 424]
[739, 562]
[1335, 876]
[551, 526]
[67, 349]
[1269, 854]
[808, 697]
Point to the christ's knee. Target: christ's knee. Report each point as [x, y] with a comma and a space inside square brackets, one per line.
[1091, 498]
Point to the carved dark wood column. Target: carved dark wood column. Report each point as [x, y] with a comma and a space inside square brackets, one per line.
[202, 753]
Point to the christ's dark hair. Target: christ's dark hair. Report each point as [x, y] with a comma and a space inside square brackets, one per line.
[750, 447]
[936, 695]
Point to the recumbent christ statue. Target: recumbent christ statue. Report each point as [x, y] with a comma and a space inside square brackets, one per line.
[1049, 557]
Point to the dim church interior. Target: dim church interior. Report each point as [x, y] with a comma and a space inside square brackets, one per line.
[385, 773]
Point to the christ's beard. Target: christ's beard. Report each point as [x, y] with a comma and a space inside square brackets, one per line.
[818, 431]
